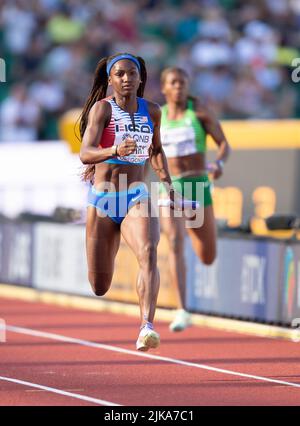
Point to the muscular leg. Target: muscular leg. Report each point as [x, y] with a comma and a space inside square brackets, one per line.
[204, 238]
[173, 228]
[142, 236]
[102, 243]
[140, 289]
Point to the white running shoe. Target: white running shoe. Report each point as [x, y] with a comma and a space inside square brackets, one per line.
[181, 321]
[148, 339]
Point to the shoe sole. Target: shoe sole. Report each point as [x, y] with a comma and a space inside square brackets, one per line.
[150, 341]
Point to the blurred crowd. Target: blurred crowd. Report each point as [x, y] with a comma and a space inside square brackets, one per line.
[238, 55]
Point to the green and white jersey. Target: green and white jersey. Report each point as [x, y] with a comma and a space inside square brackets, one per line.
[182, 137]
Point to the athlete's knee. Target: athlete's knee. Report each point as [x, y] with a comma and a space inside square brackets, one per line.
[147, 255]
[100, 283]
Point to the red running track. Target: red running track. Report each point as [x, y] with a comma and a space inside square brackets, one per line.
[198, 367]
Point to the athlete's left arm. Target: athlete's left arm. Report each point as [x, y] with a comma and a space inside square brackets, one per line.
[213, 127]
[158, 158]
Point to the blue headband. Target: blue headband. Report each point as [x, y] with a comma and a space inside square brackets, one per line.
[111, 63]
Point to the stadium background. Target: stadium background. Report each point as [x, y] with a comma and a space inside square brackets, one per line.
[239, 56]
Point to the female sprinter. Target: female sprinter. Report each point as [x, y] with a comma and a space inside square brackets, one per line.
[184, 125]
[118, 133]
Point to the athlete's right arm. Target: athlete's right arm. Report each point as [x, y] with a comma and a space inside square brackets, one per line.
[90, 152]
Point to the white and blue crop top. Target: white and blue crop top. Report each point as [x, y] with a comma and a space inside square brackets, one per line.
[122, 125]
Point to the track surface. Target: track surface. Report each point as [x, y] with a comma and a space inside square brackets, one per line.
[99, 364]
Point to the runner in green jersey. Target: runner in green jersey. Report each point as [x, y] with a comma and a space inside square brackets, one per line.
[184, 126]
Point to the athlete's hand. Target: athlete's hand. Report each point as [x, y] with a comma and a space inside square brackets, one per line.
[215, 170]
[127, 147]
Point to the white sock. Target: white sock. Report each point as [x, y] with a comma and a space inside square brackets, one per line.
[148, 325]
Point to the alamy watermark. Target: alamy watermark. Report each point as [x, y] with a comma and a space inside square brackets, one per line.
[118, 202]
[2, 71]
[296, 72]
[2, 331]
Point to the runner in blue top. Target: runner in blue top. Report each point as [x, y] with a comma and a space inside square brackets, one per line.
[118, 134]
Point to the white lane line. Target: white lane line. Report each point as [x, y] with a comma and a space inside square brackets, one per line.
[81, 342]
[60, 392]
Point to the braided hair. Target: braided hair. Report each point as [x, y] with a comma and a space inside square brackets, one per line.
[98, 92]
